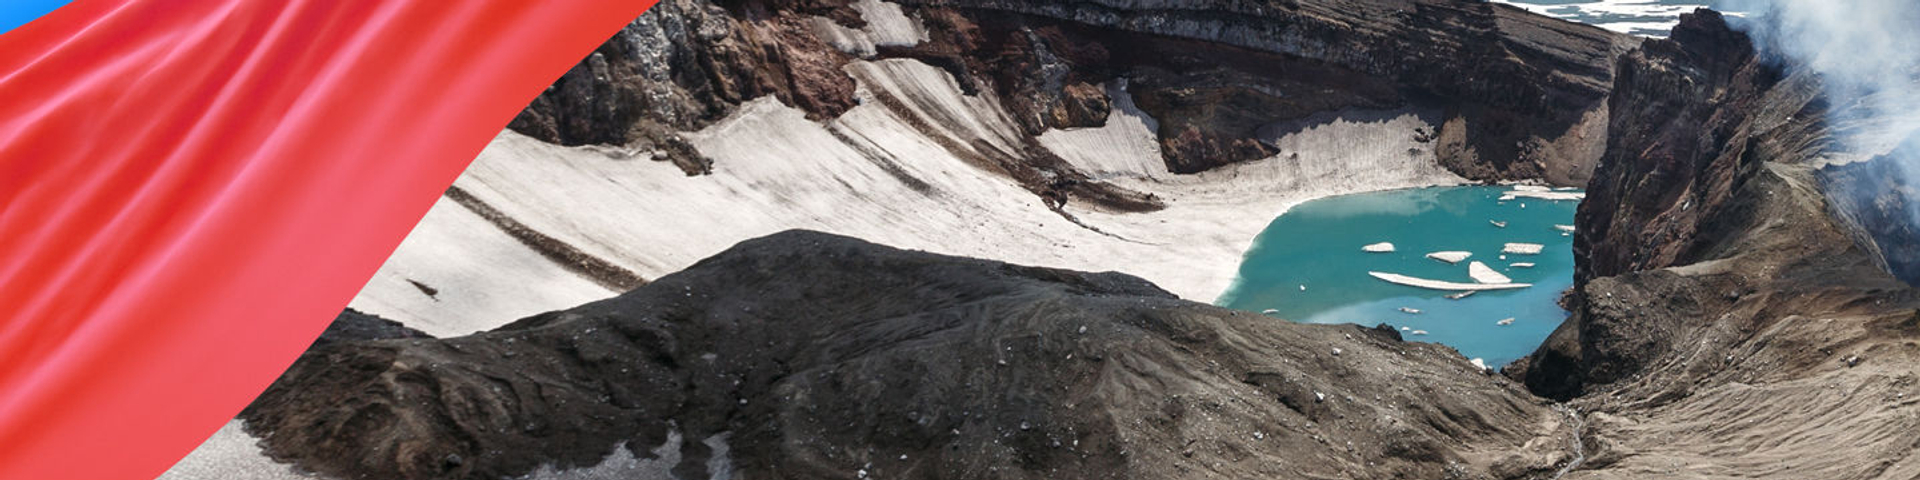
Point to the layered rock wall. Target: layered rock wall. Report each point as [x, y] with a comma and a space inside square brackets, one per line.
[1523, 94]
[1726, 323]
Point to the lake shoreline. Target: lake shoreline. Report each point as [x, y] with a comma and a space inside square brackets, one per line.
[1322, 262]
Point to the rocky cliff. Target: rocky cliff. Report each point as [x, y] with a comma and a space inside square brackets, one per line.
[1727, 321]
[1520, 96]
[1042, 136]
[805, 355]
[1738, 309]
[1875, 199]
[1165, 134]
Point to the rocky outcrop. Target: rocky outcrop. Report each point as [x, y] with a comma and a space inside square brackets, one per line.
[1518, 88]
[1522, 95]
[1725, 322]
[1687, 114]
[806, 355]
[1875, 198]
[1692, 161]
[354, 325]
[683, 65]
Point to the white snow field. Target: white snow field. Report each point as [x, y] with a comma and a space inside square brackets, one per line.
[231, 454]
[871, 174]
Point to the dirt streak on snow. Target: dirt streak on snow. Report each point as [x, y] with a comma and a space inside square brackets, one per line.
[871, 174]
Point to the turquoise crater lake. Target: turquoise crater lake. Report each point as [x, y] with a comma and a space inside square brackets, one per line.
[1308, 266]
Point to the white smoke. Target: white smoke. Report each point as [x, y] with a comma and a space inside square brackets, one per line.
[1867, 53]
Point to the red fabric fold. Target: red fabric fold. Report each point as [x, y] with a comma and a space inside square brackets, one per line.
[190, 190]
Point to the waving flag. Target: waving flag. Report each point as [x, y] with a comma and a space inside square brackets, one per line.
[191, 189]
[16, 12]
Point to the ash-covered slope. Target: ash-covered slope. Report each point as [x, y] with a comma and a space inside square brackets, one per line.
[1726, 324]
[806, 355]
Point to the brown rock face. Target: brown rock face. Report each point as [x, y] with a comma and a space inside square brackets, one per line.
[1725, 323]
[1676, 162]
[1081, 105]
[1043, 75]
[1692, 162]
[1212, 72]
[1522, 93]
[816, 356]
[683, 65]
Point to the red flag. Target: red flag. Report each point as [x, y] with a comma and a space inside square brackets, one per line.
[191, 189]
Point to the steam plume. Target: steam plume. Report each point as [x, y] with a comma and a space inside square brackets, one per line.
[1866, 54]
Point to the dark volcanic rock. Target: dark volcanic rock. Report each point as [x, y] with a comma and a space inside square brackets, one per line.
[1722, 311]
[816, 356]
[1698, 120]
[683, 65]
[1523, 95]
[1516, 86]
[1686, 123]
[352, 325]
[1682, 128]
[1875, 198]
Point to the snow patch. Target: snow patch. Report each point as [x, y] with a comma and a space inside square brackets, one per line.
[887, 175]
[889, 26]
[230, 453]
[623, 465]
[443, 253]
